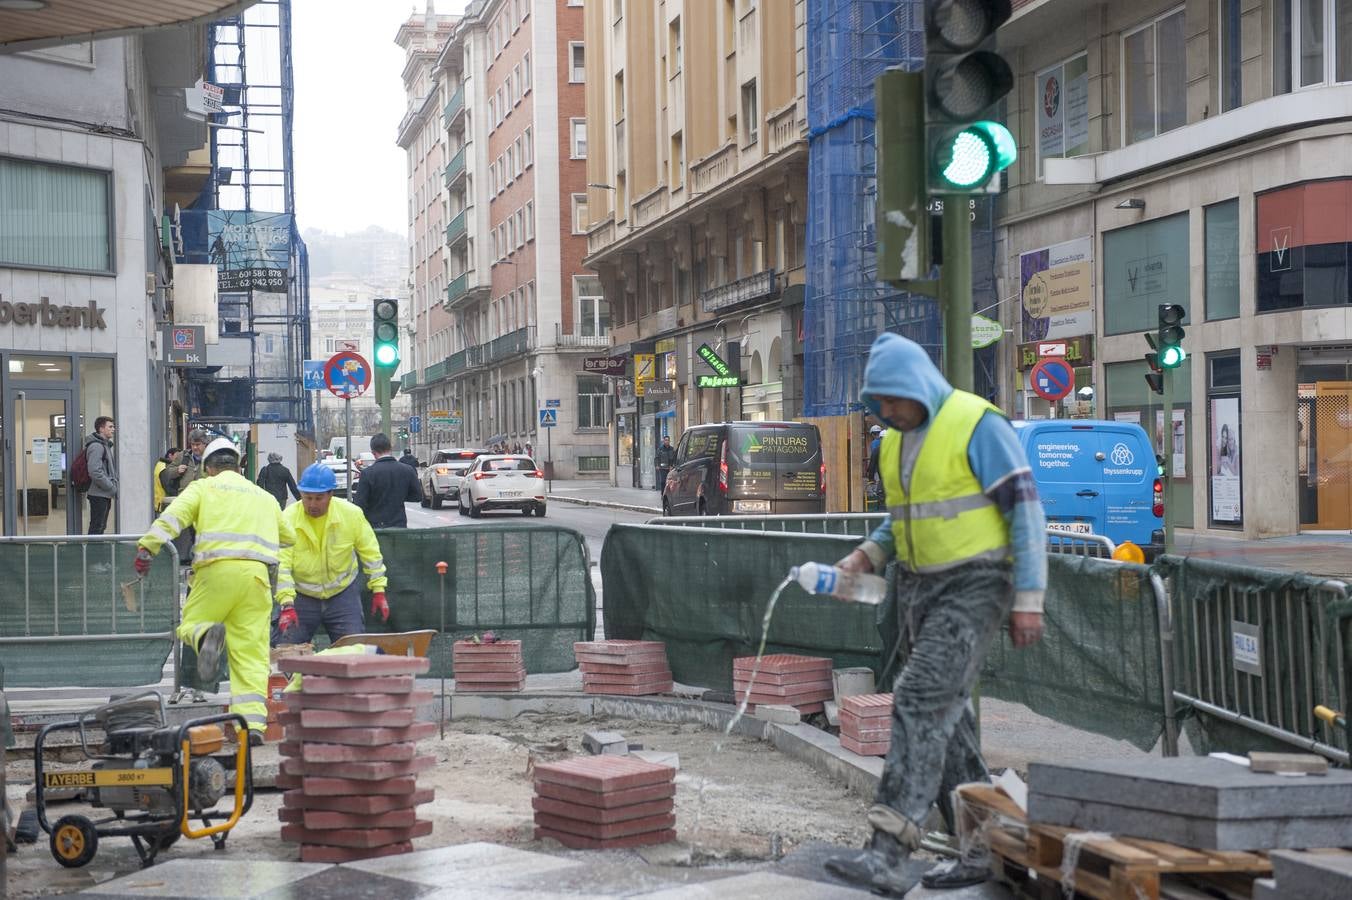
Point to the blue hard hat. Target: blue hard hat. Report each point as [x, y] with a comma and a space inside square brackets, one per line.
[318, 479]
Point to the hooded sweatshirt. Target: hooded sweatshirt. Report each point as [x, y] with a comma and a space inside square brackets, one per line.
[898, 367]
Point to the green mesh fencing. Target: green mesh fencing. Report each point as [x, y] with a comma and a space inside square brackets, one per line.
[704, 592]
[64, 621]
[860, 525]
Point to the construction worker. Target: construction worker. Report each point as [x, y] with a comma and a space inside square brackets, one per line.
[157, 484]
[240, 533]
[317, 582]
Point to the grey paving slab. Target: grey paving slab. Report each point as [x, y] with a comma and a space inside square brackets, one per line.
[341, 883]
[482, 892]
[467, 865]
[1266, 889]
[991, 890]
[807, 861]
[760, 886]
[201, 878]
[1192, 831]
[1194, 786]
[624, 877]
[1314, 876]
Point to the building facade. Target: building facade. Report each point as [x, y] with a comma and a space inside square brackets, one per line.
[510, 335]
[696, 211]
[89, 134]
[1192, 153]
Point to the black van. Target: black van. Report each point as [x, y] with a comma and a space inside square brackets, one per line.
[747, 468]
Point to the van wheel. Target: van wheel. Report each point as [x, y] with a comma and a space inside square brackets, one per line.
[436, 500]
[424, 502]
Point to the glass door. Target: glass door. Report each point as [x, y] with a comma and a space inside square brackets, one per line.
[35, 469]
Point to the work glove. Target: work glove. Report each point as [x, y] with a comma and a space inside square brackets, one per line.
[288, 619]
[380, 605]
[143, 561]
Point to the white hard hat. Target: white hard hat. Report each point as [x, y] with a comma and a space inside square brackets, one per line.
[876, 429]
[220, 444]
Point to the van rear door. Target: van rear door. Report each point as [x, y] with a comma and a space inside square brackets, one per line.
[1068, 474]
[1129, 471]
[774, 467]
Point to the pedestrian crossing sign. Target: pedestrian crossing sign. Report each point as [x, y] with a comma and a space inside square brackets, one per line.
[549, 418]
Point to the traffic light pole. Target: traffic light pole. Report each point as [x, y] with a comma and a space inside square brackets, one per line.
[1168, 443]
[383, 398]
[955, 292]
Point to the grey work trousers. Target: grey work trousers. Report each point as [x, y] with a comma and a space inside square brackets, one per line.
[953, 618]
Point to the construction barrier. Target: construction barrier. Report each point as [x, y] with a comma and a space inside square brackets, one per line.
[1069, 543]
[74, 613]
[860, 525]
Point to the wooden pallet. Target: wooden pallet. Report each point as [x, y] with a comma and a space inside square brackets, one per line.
[1111, 868]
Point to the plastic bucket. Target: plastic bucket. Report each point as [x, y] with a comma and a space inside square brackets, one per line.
[851, 682]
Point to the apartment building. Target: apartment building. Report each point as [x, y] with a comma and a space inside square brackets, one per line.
[1192, 153]
[696, 210]
[518, 313]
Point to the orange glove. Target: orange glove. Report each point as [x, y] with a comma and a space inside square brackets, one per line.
[380, 605]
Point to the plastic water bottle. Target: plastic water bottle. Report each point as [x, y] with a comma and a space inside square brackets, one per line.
[820, 578]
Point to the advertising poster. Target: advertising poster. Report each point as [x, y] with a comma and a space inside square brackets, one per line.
[1132, 416]
[1180, 462]
[250, 250]
[1056, 286]
[1063, 109]
[1225, 463]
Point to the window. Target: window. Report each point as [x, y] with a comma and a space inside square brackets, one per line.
[54, 217]
[674, 40]
[1062, 102]
[1306, 44]
[512, 170]
[511, 234]
[619, 97]
[593, 313]
[1231, 61]
[579, 138]
[1144, 265]
[1281, 47]
[530, 220]
[519, 226]
[520, 155]
[677, 159]
[528, 148]
[510, 90]
[493, 110]
[750, 117]
[497, 248]
[591, 401]
[1222, 260]
[1155, 85]
[577, 62]
[579, 214]
[525, 73]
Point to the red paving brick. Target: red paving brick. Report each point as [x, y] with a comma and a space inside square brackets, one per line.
[313, 752]
[472, 665]
[663, 674]
[879, 736]
[872, 749]
[499, 648]
[783, 663]
[597, 816]
[630, 690]
[317, 853]
[661, 822]
[360, 737]
[323, 820]
[603, 774]
[334, 718]
[619, 647]
[315, 786]
[364, 771]
[378, 684]
[505, 677]
[623, 668]
[792, 679]
[794, 699]
[867, 705]
[577, 842]
[353, 666]
[650, 659]
[608, 800]
[355, 837]
[363, 805]
[365, 702]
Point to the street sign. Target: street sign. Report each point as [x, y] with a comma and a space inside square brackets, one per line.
[549, 418]
[645, 367]
[985, 331]
[1052, 378]
[347, 375]
[552, 404]
[185, 345]
[314, 375]
[414, 424]
[604, 365]
[347, 346]
[1051, 348]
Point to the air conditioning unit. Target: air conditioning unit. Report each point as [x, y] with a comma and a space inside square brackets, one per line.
[150, 284]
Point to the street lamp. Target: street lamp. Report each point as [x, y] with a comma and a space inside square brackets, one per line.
[535, 374]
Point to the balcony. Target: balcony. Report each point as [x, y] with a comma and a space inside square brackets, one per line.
[601, 235]
[458, 287]
[649, 208]
[454, 107]
[455, 169]
[455, 232]
[714, 169]
[782, 128]
[457, 363]
[755, 288]
[433, 372]
[579, 341]
[408, 380]
[512, 344]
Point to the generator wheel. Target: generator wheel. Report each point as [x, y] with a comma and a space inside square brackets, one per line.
[74, 841]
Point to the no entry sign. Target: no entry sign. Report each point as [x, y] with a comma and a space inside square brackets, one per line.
[1052, 378]
[347, 375]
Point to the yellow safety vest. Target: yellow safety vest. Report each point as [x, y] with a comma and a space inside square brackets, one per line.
[157, 489]
[324, 560]
[234, 519]
[946, 519]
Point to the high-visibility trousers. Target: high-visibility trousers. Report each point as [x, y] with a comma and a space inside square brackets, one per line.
[237, 593]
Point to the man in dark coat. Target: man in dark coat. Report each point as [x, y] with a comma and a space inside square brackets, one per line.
[385, 486]
[409, 459]
[277, 479]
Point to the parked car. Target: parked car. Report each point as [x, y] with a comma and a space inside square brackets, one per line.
[502, 482]
[339, 467]
[441, 479]
[1096, 476]
[747, 468]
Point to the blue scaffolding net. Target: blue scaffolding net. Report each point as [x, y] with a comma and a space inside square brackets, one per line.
[850, 43]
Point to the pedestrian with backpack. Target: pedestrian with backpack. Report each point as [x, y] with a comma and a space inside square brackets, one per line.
[102, 470]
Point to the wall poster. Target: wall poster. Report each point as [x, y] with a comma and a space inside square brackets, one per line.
[1225, 462]
[1180, 463]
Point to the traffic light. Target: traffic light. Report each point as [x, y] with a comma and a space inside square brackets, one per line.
[1155, 377]
[1171, 352]
[903, 224]
[964, 79]
[386, 333]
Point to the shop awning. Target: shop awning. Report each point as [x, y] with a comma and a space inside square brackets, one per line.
[31, 24]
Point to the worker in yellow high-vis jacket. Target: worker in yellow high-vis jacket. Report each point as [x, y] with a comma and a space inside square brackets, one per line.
[240, 534]
[317, 581]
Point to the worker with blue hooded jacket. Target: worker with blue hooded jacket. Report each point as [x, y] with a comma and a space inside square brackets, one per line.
[967, 533]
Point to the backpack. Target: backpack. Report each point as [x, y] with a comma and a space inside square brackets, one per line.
[79, 470]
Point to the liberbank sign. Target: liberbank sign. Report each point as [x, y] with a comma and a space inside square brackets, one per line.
[49, 315]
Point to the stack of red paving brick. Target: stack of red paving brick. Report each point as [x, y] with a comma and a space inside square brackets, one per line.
[866, 724]
[601, 802]
[631, 668]
[784, 679]
[496, 666]
[350, 757]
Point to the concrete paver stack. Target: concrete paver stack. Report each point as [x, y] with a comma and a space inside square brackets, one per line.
[491, 666]
[350, 759]
[866, 724]
[630, 668]
[785, 679]
[603, 802]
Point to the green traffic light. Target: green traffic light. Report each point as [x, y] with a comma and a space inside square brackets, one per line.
[387, 355]
[1172, 357]
[976, 153]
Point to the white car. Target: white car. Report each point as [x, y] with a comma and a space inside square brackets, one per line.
[502, 482]
[441, 479]
[339, 467]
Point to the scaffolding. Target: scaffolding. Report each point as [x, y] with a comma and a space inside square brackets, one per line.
[850, 43]
[251, 230]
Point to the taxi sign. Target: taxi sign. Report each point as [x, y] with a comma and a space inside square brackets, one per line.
[347, 375]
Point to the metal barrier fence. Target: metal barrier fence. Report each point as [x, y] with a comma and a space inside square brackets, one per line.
[1068, 543]
[75, 613]
[854, 524]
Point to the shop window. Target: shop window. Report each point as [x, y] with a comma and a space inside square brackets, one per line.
[1223, 440]
[1129, 399]
[55, 217]
[1155, 78]
[1303, 238]
[1143, 266]
[1222, 260]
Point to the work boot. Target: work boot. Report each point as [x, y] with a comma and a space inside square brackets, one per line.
[255, 738]
[880, 866]
[956, 873]
[209, 652]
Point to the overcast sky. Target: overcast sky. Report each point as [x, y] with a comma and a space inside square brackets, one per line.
[349, 102]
